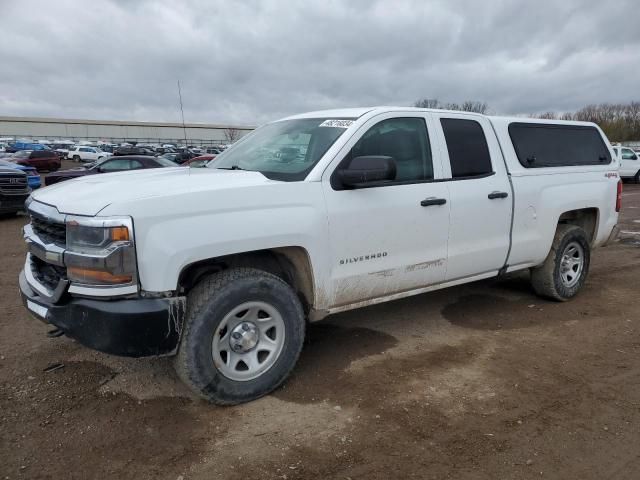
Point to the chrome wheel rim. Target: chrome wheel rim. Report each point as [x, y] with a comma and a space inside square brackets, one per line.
[572, 264]
[248, 341]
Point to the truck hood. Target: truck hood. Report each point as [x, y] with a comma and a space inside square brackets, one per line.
[90, 194]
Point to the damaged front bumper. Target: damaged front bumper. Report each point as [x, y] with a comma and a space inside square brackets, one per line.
[133, 327]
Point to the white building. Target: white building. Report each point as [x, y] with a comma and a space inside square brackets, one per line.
[115, 131]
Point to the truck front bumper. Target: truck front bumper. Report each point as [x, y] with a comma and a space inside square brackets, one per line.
[135, 327]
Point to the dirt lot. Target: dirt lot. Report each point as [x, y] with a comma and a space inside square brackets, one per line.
[484, 381]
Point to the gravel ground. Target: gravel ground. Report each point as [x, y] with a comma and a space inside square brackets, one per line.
[482, 381]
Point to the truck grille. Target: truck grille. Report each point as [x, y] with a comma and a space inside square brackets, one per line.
[13, 184]
[47, 274]
[49, 231]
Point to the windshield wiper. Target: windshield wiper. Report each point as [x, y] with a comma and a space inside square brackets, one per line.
[232, 167]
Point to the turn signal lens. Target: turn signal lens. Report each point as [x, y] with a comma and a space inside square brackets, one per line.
[87, 275]
[119, 234]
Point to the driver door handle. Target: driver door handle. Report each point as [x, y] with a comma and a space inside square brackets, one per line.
[494, 195]
[428, 202]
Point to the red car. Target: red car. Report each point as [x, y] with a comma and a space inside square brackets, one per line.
[110, 165]
[200, 161]
[39, 159]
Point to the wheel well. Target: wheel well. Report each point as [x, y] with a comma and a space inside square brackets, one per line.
[585, 218]
[292, 264]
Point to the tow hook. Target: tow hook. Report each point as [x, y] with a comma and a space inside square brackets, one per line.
[55, 333]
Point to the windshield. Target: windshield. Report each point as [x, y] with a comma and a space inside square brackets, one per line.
[165, 162]
[285, 150]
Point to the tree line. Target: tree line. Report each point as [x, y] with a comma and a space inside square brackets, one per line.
[619, 121]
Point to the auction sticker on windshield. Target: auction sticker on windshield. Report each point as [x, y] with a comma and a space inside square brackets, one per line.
[336, 123]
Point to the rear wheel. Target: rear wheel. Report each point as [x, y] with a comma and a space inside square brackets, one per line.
[636, 178]
[565, 269]
[242, 336]
[76, 158]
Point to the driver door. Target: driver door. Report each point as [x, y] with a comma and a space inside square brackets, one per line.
[390, 238]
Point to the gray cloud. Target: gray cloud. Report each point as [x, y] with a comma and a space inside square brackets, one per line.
[253, 61]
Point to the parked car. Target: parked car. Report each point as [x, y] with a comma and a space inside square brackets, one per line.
[41, 160]
[179, 157]
[171, 156]
[62, 149]
[107, 148]
[214, 150]
[14, 190]
[629, 163]
[33, 178]
[133, 150]
[197, 162]
[18, 146]
[224, 266]
[109, 165]
[84, 153]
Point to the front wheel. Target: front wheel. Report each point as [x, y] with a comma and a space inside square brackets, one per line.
[565, 269]
[243, 333]
[76, 158]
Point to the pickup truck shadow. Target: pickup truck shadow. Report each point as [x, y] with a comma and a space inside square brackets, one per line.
[494, 312]
[328, 352]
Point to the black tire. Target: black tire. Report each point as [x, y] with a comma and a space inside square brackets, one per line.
[76, 158]
[636, 178]
[547, 280]
[210, 301]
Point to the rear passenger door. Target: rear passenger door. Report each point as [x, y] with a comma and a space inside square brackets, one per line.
[39, 160]
[480, 195]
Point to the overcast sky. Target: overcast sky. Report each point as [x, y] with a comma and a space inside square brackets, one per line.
[249, 62]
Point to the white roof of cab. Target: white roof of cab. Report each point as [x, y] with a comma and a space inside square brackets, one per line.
[358, 112]
[337, 113]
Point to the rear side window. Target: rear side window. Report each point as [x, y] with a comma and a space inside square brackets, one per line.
[42, 154]
[467, 146]
[540, 145]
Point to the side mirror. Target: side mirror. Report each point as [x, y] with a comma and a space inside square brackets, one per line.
[363, 171]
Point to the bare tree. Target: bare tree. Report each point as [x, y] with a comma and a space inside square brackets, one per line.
[231, 134]
[467, 106]
[474, 106]
[427, 103]
[547, 115]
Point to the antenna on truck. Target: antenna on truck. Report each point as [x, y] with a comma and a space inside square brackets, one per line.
[184, 128]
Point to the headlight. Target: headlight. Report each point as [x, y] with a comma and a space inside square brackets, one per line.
[100, 251]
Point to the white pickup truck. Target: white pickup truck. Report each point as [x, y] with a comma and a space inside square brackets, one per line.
[629, 163]
[307, 216]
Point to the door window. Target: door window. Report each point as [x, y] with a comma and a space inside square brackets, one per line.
[467, 146]
[628, 154]
[405, 140]
[115, 165]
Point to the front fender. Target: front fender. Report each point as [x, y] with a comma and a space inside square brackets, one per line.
[174, 232]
